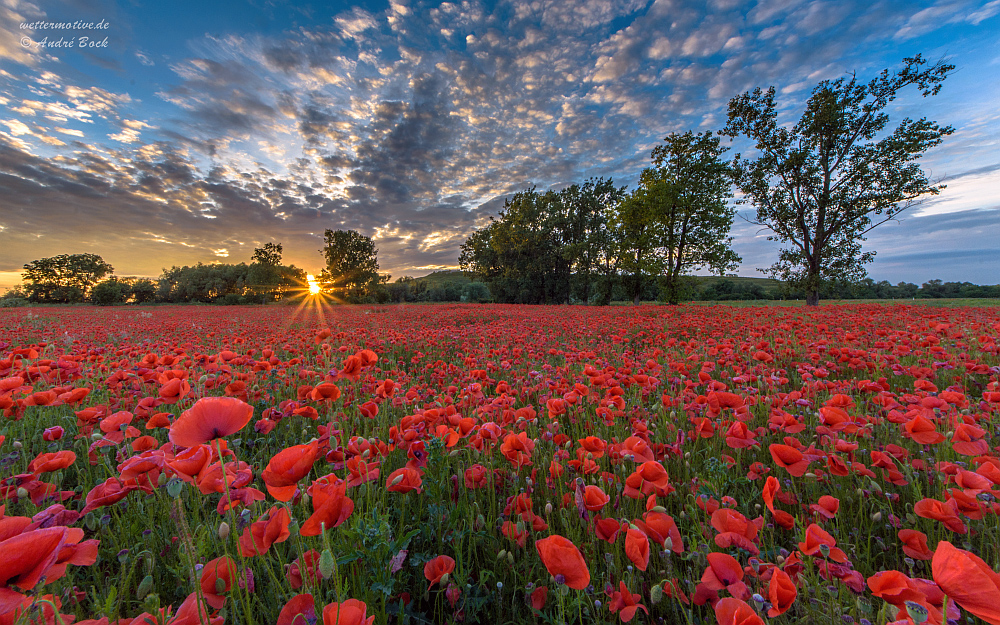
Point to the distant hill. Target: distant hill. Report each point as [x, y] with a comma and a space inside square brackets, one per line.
[444, 278]
[769, 285]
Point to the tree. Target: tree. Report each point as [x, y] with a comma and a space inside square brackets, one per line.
[64, 279]
[519, 254]
[143, 290]
[351, 266]
[264, 274]
[823, 184]
[586, 212]
[678, 219]
[110, 292]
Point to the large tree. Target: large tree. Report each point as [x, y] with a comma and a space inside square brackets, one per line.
[586, 210]
[678, 219]
[519, 254]
[821, 185]
[267, 279]
[62, 279]
[351, 271]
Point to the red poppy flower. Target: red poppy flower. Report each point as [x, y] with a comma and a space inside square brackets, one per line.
[306, 565]
[789, 458]
[731, 611]
[781, 593]
[817, 537]
[594, 498]
[300, 610]
[49, 462]
[224, 569]
[437, 568]
[269, 529]
[538, 597]
[350, 612]
[659, 526]
[945, 512]
[915, 544]
[561, 558]
[637, 548]
[627, 603]
[287, 467]
[325, 392]
[331, 505]
[404, 480]
[967, 580]
[208, 419]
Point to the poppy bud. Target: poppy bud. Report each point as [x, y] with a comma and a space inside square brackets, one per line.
[917, 612]
[162, 479]
[502, 554]
[877, 516]
[220, 585]
[22, 492]
[17, 444]
[548, 508]
[655, 594]
[174, 487]
[810, 474]
[396, 480]
[326, 564]
[657, 509]
[223, 530]
[520, 527]
[444, 579]
[96, 436]
[668, 543]
[510, 557]
[144, 587]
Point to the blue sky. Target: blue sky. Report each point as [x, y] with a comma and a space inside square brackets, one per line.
[202, 130]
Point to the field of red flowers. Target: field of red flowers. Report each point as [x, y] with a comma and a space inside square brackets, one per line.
[503, 464]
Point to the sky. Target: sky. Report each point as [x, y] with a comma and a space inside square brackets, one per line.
[178, 132]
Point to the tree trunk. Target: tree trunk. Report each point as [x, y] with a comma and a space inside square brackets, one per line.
[635, 300]
[812, 297]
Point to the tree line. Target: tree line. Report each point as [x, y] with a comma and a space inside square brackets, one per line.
[818, 187]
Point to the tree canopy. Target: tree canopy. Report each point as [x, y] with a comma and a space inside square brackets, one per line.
[678, 219]
[352, 271]
[63, 279]
[821, 185]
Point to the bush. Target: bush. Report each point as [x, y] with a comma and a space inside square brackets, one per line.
[8, 301]
[110, 292]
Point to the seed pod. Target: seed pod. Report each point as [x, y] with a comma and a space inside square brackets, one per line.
[326, 564]
[144, 587]
[655, 594]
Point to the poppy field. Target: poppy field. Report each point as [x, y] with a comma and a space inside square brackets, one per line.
[501, 464]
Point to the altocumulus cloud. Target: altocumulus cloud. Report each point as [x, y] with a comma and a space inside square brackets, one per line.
[412, 123]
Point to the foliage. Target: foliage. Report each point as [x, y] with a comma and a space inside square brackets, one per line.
[267, 279]
[823, 184]
[545, 248]
[63, 279]
[678, 219]
[110, 292]
[352, 271]
[202, 283]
